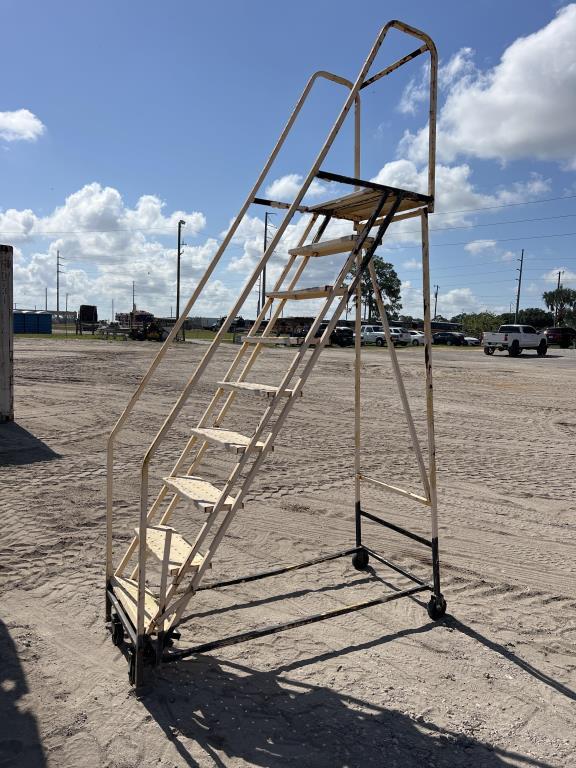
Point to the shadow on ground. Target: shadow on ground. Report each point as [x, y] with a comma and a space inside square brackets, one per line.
[18, 446]
[20, 744]
[216, 711]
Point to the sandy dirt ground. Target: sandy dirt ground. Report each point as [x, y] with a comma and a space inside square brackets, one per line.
[493, 684]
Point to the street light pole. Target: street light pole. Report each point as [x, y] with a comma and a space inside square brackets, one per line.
[265, 247]
[179, 249]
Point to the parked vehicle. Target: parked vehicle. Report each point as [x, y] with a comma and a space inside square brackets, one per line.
[472, 341]
[400, 336]
[374, 334]
[341, 336]
[451, 338]
[563, 336]
[417, 338]
[513, 339]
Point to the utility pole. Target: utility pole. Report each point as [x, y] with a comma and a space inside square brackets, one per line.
[112, 318]
[521, 260]
[436, 289]
[133, 305]
[264, 269]
[66, 319]
[46, 298]
[556, 313]
[58, 273]
[179, 254]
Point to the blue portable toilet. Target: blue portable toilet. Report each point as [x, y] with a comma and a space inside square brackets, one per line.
[30, 322]
[44, 322]
[18, 324]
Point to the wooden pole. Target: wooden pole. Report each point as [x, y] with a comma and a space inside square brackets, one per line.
[6, 335]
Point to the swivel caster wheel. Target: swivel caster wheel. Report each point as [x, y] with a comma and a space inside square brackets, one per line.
[360, 560]
[117, 631]
[436, 607]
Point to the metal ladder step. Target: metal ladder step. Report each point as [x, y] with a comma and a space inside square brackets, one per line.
[330, 247]
[200, 492]
[301, 294]
[179, 548]
[231, 441]
[126, 592]
[266, 339]
[257, 389]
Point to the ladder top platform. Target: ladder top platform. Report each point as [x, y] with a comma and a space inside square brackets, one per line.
[359, 206]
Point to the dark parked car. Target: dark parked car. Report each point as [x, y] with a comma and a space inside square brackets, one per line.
[564, 336]
[342, 336]
[449, 337]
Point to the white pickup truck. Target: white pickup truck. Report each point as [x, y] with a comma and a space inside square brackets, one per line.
[374, 334]
[514, 339]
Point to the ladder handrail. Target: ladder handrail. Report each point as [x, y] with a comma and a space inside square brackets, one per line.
[209, 270]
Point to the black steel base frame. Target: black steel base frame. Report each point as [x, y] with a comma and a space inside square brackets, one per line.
[160, 651]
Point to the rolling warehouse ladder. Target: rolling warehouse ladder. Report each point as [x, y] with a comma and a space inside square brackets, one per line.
[148, 616]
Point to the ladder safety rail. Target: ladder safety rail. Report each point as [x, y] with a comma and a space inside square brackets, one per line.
[370, 209]
[200, 287]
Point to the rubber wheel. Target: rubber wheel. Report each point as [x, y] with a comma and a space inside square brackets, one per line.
[132, 666]
[415, 343]
[117, 631]
[488, 350]
[542, 349]
[360, 560]
[436, 608]
[515, 350]
[379, 342]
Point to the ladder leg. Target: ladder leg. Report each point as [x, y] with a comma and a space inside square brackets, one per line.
[357, 394]
[137, 664]
[437, 605]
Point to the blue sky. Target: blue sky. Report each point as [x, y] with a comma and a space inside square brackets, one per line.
[117, 119]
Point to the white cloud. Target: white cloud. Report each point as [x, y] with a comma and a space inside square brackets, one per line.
[20, 125]
[455, 190]
[415, 93]
[457, 300]
[412, 264]
[105, 245]
[508, 256]
[417, 90]
[523, 107]
[477, 246]
[287, 187]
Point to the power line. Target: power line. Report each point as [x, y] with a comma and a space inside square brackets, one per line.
[506, 205]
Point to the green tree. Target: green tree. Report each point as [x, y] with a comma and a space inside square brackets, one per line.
[389, 284]
[476, 322]
[559, 301]
[536, 316]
